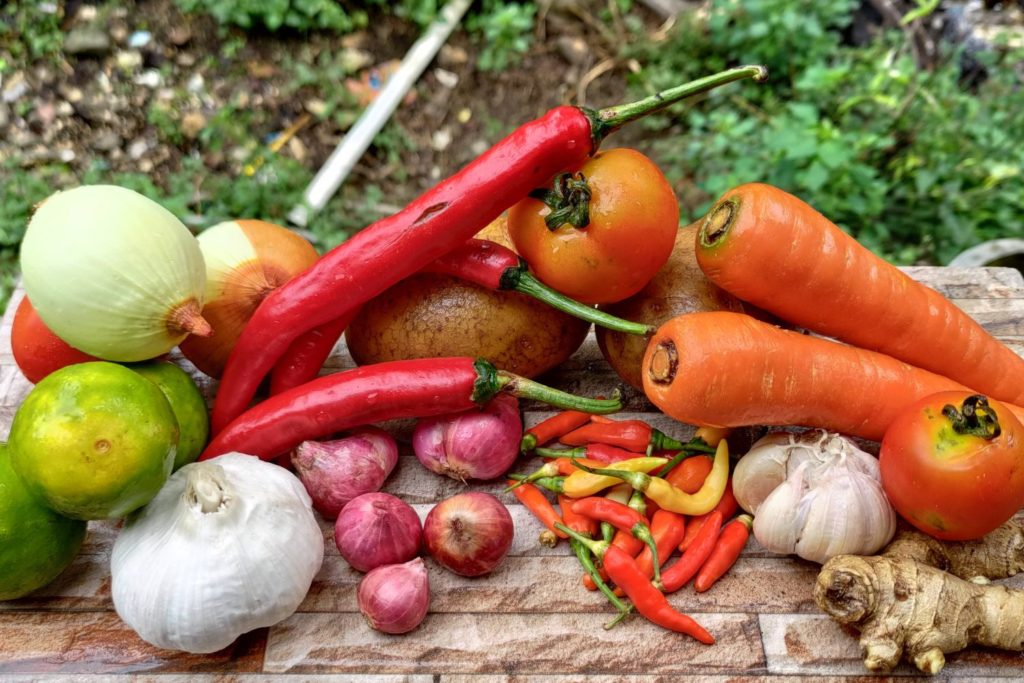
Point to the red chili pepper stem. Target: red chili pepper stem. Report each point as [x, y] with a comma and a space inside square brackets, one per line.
[610, 119]
[643, 532]
[490, 381]
[637, 501]
[572, 453]
[553, 484]
[585, 558]
[696, 446]
[520, 280]
[548, 469]
[638, 480]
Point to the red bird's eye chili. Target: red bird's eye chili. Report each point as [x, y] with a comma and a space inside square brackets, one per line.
[550, 429]
[577, 521]
[620, 516]
[537, 503]
[727, 506]
[648, 600]
[677, 576]
[690, 474]
[667, 529]
[730, 544]
[483, 262]
[434, 224]
[633, 435]
[406, 388]
[598, 452]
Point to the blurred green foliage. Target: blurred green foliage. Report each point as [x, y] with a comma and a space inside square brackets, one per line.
[912, 162]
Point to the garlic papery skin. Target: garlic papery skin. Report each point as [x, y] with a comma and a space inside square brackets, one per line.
[227, 546]
[113, 274]
[245, 261]
[830, 501]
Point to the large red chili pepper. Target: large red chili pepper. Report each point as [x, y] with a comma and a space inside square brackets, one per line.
[550, 429]
[648, 600]
[437, 222]
[667, 529]
[676, 576]
[483, 262]
[537, 503]
[622, 517]
[406, 388]
[730, 544]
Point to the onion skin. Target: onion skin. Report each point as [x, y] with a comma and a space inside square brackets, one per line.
[113, 273]
[245, 261]
[376, 529]
[469, 534]
[474, 444]
[335, 472]
[394, 598]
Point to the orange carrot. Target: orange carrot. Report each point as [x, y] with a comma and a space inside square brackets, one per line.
[771, 249]
[727, 369]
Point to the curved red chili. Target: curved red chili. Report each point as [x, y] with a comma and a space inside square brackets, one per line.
[437, 222]
[550, 429]
[631, 435]
[306, 355]
[383, 391]
[687, 566]
[730, 544]
[596, 452]
[667, 529]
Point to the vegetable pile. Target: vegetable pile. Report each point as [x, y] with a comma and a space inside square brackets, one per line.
[231, 541]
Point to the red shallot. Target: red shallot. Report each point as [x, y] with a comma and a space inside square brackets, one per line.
[470, 533]
[375, 529]
[394, 598]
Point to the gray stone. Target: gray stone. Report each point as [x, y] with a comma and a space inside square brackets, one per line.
[192, 123]
[128, 60]
[15, 87]
[140, 39]
[87, 41]
[106, 140]
[446, 78]
[138, 148]
[196, 84]
[150, 78]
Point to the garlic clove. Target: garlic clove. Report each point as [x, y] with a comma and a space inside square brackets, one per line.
[779, 520]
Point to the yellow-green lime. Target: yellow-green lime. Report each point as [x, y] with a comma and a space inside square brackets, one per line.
[94, 440]
[188, 405]
[36, 544]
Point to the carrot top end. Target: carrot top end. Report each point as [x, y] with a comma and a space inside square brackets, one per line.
[717, 223]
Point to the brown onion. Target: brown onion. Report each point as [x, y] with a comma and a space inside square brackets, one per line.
[474, 444]
[335, 472]
[470, 533]
[375, 529]
[394, 598]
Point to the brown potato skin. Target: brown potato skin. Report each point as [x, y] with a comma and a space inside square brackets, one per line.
[429, 315]
[679, 287]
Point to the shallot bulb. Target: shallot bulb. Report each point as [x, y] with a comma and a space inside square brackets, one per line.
[335, 472]
[474, 444]
[470, 533]
[375, 529]
[394, 598]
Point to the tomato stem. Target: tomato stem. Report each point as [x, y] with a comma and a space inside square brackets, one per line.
[975, 417]
[569, 201]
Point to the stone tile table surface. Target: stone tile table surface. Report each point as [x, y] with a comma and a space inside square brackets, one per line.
[529, 620]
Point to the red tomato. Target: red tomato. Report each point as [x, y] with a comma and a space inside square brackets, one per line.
[633, 218]
[952, 473]
[37, 350]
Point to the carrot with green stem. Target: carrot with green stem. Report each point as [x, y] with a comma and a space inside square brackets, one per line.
[730, 370]
[771, 249]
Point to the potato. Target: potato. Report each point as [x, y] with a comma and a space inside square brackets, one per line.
[430, 315]
[679, 287]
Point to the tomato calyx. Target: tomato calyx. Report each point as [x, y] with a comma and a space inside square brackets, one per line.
[975, 418]
[569, 201]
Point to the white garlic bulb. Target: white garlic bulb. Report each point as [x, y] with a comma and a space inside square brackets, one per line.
[227, 546]
[815, 495]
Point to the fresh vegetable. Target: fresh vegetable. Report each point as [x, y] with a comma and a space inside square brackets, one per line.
[730, 370]
[678, 287]
[36, 543]
[394, 598]
[951, 465]
[602, 231]
[632, 435]
[412, 388]
[479, 443]
[648, 600]
[581, 483]
[667, 530]
[245, 261]
[596, 579]
[304, 357]
[434, 224]
[669, 497]
[730, 544]
[376, 529]
[94, 440]
[622, 518]
[594, 452]
[727, 508]
[537, 503]
[550, 429]
[689, 475]
[695, 555]
[823, 497]
[225, 547]
[922, 598]
[113, 274]
[187, 403]
[738, 248]
[337, 471]
[37, 350]
[578, 520]
[469, 533]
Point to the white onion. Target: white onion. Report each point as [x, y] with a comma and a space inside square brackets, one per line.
[113, 273]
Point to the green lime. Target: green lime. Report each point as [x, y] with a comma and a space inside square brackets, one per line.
[36, 544]
[188, 405]
[94, 440]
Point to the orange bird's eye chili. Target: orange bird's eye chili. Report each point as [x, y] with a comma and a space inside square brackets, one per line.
[372, 393]
[548, 430]
[434, 224]
[537, 503]
[579, 522]
[690, 474]
[648, 600]
[676, 576]
[730, 544]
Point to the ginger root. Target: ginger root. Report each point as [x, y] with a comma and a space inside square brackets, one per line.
[923, 597]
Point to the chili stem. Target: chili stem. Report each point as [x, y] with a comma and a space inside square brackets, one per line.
[583, 555]
[695, 446]
[522, 387]
[531, 286]
[610, 119]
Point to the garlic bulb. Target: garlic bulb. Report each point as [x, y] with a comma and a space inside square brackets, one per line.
[816, 495]
[227, 546]
[113, 274]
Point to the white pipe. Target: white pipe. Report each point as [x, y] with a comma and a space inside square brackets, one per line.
[344, 157]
